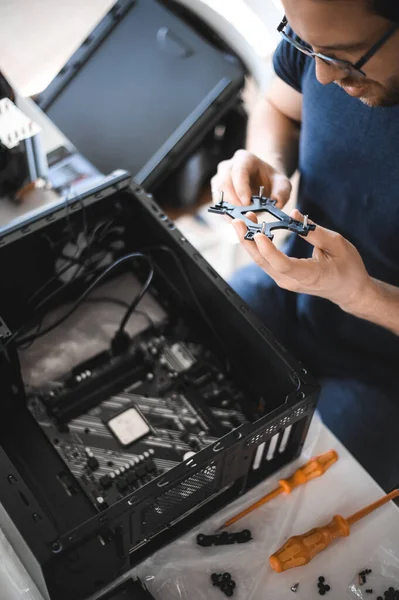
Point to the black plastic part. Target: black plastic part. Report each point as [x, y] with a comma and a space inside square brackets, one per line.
[224, 539]
[261, 204]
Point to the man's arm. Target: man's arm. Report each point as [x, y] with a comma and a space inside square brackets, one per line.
[272, 150]
[379, 304]
[274, 127]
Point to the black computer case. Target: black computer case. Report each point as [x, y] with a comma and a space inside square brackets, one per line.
[72, 544]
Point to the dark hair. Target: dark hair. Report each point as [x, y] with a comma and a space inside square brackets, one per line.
[386, 8]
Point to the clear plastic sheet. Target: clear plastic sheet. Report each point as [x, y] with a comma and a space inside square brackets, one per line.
[87, 332]
[384, 567]
[15, 583]
[182, 571]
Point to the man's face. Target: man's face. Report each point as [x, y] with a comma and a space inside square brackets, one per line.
[347, 29]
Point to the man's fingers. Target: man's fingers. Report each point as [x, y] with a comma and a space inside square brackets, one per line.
[260, 259]
[281, 189]
[326, 240]
[295, 214]
[252, 217]
[241, 178]
[222, 183]
[229, 194]
[274, 257]
[300, 270]
[250, 247]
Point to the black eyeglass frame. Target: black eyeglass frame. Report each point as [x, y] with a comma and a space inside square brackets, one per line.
[345, 65]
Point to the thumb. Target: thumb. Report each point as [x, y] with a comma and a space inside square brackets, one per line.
[323, 239]
[281, 189]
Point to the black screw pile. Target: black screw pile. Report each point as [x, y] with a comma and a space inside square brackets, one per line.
[323, 587]
[224, 582]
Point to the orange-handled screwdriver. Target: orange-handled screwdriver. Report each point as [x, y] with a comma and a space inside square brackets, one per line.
[316, 467]
[300, 549]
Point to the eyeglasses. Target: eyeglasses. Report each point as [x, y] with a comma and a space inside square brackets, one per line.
[352, 69]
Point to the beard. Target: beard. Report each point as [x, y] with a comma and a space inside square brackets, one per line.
[371, 92]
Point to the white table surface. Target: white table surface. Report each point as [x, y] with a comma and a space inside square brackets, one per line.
[181, 571]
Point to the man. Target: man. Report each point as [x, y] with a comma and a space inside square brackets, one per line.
[333, 298]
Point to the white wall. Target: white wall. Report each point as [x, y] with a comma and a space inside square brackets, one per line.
[38, 36]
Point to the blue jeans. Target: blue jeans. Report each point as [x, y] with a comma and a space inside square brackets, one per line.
[365, 418]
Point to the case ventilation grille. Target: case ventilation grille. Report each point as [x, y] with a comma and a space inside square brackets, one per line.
[281, 424]
[177, 501]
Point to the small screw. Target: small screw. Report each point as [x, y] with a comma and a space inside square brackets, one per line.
[221, 197]
[295, 587]
[261, 191]
[305, 221]
[263, 230]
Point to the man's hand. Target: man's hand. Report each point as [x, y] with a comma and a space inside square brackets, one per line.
[241, 177]
[336, 270]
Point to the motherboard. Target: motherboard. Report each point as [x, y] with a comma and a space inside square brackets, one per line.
[119, 422]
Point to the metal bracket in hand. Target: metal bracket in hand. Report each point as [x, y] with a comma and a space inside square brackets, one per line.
[262, 204]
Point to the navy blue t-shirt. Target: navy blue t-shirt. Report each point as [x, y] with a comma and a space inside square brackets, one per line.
[349, 165]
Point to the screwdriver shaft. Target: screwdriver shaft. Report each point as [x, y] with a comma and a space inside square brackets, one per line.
[312, 469]
[254, 506]
[369, 509]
